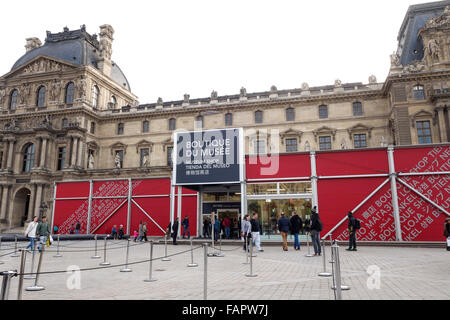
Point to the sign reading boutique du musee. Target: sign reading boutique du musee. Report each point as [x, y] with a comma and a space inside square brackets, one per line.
[208, 157]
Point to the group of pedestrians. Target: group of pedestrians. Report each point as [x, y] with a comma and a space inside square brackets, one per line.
[117, 234]
[251, 231]
[37, 230]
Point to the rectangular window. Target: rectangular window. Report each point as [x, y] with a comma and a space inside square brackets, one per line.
[419, 93]
[258, 117]
[357, 109]
[61, 158]
[423, 132]
[145, 126]
[172, 124]
[323, 112]
[295, 188]
[291, 145]
[169, 156]
[263, 188]
[1, 159]
[92, 127]
[229, 119]
[360, 140]
[325, 143]
[260, 147]
[120, 128]
[290, 114]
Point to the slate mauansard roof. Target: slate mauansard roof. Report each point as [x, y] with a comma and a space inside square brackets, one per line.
[75, 46]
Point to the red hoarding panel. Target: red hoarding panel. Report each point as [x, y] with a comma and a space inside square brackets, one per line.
[111, 188]
[427, 159]
[106, 211]
[189, 209]
[143, 187]
[278, 166]
[72, 190]
[338, 196]
[158, 208]
[352, 162]
[68, 212]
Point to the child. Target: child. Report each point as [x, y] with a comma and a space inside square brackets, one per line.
[136, 234]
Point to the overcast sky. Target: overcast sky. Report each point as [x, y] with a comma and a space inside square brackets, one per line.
[168, 48]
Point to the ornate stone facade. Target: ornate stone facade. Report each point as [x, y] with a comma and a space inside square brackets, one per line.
[85, 124]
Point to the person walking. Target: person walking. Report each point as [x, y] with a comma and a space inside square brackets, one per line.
[30, 233]
[447, 232]
[72, 229]
[121, 232]
[316, 227]
[141, 231]
[206, 224]
[42, 232]
[284, 226]
[352, 232]
[246, 231]
[227, 225]
[144, 232]
[185, 225]
[256, 231]
[216, 229]
[296, 227]
[175, 231]
[78, 227]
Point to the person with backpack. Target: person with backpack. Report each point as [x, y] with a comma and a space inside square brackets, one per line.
[316, 227]
[353, 225]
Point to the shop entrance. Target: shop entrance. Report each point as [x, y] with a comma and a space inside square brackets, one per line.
[269, 212]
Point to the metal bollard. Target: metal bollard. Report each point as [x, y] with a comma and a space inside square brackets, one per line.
[57, 255]
[22, 270]
[324, 273]
[192, 264]
[246, 250]
[251, 275]
[150, 279]
[331, 252]
[126, 269]
[219, 254]
[105, 263]
[307, 244]
[165, 250]
[32, 276]
[205, 272]
[15, 254]
[1, 249]
[337, 271]
[7, 275]
[36, 287]
[95, 256]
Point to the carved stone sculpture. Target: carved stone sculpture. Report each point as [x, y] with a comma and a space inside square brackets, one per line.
[343, 144]
[416, 66]
[372, 79]
[214, 95]
[160, 101]
[145, 161]
[2, 96]
[395, 60]
[307, 146]
[337, 83]
[91, 161]
[433, 50]
[243, 92]
[55, 90]
[24, 93]
[305, 86]
[81, 87]
[186, 98]
[117, 161]
[273, 89]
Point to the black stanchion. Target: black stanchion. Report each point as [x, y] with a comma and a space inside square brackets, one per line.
[251, 274]
[7, 275]
[22, 270]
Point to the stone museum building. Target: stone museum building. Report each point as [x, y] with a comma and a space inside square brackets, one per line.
[68, 114]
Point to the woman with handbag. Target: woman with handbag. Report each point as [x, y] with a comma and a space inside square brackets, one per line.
[31, 233]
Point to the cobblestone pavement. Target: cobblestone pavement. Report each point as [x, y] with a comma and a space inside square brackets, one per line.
[406, 273]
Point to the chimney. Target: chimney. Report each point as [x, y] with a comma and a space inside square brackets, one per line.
[32, 43]
[106, 39]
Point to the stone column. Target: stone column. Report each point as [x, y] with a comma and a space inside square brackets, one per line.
[442, 128]
[32, 197]
[37, 203]
[43, 152]
[80, 152]
[74, 151]
[10, 154]
[5, 201]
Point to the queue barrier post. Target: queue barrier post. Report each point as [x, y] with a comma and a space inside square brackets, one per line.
[192, 264]
[22, 270]
[31, 275]
[7, 275]
[36, 287]
[251, 274]
[165, 250]
[57, 255]
[308, 234]
[150, 279]
[95, 256]
[324, 273]
[126, 269]
[105, 263]
[338, 286]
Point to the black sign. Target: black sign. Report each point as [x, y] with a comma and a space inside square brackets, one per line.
[208, 157]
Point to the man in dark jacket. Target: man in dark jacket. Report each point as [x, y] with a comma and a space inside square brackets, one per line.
[42, 232]
[284, 226]
[316, 227]
[175, 231]
[256, 231]
[185, 225]
[351, 232]
[296, 227]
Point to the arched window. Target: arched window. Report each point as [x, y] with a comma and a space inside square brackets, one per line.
[70, 93]
[95, 93]
[28, 158]
[13, 99]
[290, 114]
[113, 102]
[419, 93]
[120, 128]
[40, 102]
